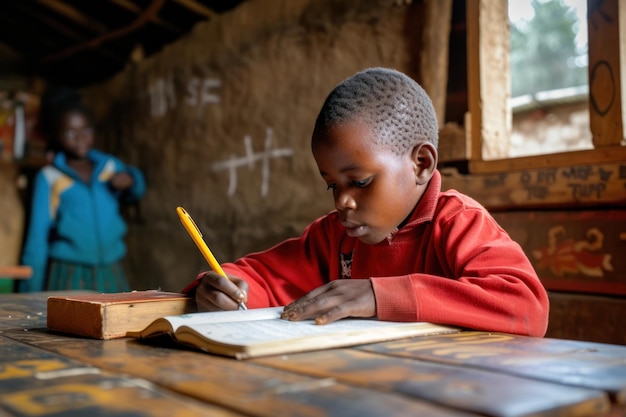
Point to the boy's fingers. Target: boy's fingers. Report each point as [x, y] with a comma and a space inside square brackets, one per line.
[314, 308]
[334, 301]
[308, 298]
[236, 292]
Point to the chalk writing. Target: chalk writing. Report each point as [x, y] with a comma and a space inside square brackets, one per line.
[234, 163]
[199, 91]
[164, 98]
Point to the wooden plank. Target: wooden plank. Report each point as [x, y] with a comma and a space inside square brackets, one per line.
[238, 385]
[474, 120]
[575, 363]
[607, 154]
[74, 15]
[132, 7]
[197, 8]
[434, 52]
[12, 215]
[15, 271]
[478, 391]
[576, 251]
[453, 143]
[578, 186]
[488, 78]
[36, 382]
[587, 317]
[605, 70]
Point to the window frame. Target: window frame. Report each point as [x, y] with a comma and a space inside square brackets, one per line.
[489, 117]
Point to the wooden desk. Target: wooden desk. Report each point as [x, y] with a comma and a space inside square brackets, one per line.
[465, 374]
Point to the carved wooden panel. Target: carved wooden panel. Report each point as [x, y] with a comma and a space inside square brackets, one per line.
[580, 251]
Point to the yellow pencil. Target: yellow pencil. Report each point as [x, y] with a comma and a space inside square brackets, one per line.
[196, 236]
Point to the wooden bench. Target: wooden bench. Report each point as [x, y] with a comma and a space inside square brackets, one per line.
[15, 272]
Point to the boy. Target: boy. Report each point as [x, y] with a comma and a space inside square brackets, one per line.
[396, 247]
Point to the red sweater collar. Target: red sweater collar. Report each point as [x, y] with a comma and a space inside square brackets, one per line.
[424, 211]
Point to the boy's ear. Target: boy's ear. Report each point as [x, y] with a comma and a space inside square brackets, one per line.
[424, 157]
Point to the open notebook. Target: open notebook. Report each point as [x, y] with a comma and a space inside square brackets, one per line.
[260, 332]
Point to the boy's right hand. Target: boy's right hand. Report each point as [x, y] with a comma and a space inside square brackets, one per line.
[216, 293]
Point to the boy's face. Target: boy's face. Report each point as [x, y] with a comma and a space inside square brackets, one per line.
[76, 135]
[374, 189]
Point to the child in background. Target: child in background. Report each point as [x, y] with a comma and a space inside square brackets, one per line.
[396, 247]
[75, 236]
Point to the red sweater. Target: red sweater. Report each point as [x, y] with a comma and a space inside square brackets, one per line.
[450, 264]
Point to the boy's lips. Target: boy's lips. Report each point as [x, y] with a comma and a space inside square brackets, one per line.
[353, 229]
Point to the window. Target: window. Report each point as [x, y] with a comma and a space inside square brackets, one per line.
[549, 82]
[490, 126]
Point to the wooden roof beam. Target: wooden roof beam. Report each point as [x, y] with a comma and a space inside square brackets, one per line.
[196, 7]
[132, 7]
[142, 19]
[74, 15]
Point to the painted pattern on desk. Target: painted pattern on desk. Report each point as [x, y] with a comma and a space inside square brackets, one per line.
[34, 382]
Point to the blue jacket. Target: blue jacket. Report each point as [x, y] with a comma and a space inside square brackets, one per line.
[75, 221]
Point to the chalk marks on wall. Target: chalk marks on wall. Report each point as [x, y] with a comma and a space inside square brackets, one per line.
[198, 93]
[249, 160]
[162, 96]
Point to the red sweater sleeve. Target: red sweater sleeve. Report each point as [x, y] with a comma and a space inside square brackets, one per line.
[493, 285]
[287, 271]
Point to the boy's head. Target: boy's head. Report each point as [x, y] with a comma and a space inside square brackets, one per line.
[395, 107]
[66, 122]
[375, 142]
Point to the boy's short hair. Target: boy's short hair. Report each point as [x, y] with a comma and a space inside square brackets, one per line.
[398, 110]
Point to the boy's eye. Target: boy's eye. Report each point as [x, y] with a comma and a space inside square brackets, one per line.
[362, 183]
[331, 186]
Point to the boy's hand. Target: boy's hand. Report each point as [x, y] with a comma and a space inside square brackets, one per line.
[121, 181]
[334, 301]
[216, 293]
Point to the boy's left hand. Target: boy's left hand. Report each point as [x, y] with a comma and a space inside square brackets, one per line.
[333, 301]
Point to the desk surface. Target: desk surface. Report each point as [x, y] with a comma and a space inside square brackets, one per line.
[465, 374]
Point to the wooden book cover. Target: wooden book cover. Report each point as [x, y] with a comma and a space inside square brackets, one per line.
[112, 315]
[251, 333]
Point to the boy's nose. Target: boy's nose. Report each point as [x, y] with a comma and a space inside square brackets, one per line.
[343, 201]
